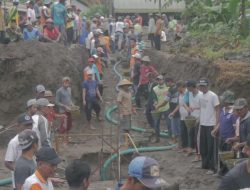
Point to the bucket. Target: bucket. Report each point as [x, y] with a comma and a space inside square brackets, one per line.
[226, 155]
[75, 111]
[190, 121]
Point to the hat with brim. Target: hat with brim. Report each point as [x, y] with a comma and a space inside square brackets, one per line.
[124, 82]
[146, 59]
[227, 97]
[24, 119]
[240, 103]
[26, 138]
[154, 183]
[44, 102]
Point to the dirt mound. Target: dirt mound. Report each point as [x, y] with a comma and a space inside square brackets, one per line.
[24, 65]
[223, 74]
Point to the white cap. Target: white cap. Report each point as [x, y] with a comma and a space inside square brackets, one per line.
[137, 56]
[95, 56]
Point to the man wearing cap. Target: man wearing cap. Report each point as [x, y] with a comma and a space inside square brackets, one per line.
[64, 101]
[51, 33]
[143, 82]
[242, 111]
[25, 165]
[31, 107]
[40, 90]
[143, 173]
[125, 107]
[91, 97]
[24, 121]
[160, 104]
[77, 174]
[41, 125]
[239, 176]
[93, 68]
[47, 161]
[209, 120]
[158, 30]
[226, 128]
[136, 70]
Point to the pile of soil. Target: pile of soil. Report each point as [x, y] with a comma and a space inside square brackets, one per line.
[223, 74]
[23, 65]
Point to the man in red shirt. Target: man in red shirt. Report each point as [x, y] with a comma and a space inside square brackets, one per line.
[51, 33]
[143, 82]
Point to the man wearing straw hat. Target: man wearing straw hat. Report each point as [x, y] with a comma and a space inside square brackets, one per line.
[125, 107]
[50, 32]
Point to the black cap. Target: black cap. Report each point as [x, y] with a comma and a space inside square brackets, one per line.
[49, 155]
[203, 82]
[24, 119]
[191, 83]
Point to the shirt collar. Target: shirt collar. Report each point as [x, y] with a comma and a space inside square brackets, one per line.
[40, 177]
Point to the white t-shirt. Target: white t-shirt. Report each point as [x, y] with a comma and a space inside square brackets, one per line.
[119, 27]
[31, 14]
[182, 110]
[194, 103]
[208, 102]
[12, 154]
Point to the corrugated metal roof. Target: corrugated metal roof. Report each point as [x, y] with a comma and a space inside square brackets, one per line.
[145, 6]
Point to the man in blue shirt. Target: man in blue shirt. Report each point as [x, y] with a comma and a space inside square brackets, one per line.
[226, 127]
[30, 33]
[91, 97]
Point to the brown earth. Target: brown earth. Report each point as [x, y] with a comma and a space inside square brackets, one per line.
[223, 74]
[23, 65]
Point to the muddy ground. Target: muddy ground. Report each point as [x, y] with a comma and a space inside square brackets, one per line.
[23, 67]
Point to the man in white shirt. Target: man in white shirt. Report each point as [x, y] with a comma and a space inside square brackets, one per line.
[194, 110]
[119, 25]
[209, 119]
[31, 14]
[24, 121]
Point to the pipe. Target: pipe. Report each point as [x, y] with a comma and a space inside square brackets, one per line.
[129, 151]
[6, 181]
[109, 112]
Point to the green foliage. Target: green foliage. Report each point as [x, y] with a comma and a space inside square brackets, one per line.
[97, 9]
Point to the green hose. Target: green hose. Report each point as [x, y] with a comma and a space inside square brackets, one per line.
[109, 112]
[129, 151]
[6, 181]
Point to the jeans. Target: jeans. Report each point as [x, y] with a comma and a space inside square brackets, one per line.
[207, 148]
[92, 104]
[175, 126]
[157, 121]
[142, 90]
[184, 134]
[150, 119]
[119, 37]
[158, 42]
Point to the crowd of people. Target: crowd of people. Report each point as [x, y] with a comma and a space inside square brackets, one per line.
[221, 123]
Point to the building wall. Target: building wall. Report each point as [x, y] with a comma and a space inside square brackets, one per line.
[145, 6]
